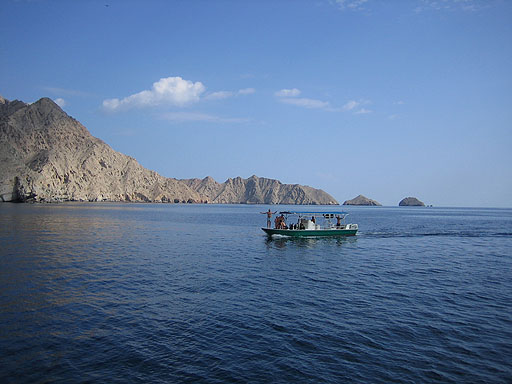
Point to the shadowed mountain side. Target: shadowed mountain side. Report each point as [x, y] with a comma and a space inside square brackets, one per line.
[45, 155]
[411, 202]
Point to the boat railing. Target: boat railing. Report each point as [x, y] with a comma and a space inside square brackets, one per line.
[306, 221]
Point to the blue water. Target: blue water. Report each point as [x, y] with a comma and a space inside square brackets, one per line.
[197, 293]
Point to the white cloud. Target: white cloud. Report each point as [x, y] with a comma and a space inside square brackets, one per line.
[60, 102]
[363, 111]
[173, 91]
[183, 117]
[288, 93]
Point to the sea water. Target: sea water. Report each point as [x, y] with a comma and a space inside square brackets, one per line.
[168, 293]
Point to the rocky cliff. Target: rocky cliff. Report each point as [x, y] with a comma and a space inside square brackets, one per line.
[362, 200]
[257, 190]
[45, 155]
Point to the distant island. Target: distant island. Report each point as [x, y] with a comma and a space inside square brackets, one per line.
[411, 202]
[362, 200]
[47, 156]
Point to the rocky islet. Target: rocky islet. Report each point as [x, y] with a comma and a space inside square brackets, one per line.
[411, 202]
[362, 200]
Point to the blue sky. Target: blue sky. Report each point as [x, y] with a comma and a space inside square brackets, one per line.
[382, 98]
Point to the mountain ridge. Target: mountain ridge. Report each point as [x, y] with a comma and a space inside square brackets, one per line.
[46, 155]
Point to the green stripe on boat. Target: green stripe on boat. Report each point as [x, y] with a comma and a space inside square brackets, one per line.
[310, 232]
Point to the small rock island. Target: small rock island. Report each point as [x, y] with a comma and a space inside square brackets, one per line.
[362, 200]
[411, 202]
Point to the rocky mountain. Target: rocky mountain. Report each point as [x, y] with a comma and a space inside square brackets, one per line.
[411, 202]
[257, 190]
[362, 200]
[45, 155]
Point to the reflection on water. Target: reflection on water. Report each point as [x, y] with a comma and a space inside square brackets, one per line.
[307, 242]
[51, 255]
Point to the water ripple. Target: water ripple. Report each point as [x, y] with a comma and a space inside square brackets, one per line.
[170, 293]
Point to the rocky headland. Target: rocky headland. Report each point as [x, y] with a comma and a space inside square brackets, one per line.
[47, 156]
[411, 202]
[362, 200]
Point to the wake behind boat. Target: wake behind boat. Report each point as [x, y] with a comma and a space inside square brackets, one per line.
[309, 224]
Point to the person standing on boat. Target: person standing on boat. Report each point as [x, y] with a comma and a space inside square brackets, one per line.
[338, 221]
[269, 217]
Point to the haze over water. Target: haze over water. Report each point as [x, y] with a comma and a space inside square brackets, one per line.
[179, 293]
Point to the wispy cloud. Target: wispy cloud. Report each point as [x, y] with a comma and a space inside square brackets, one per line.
[350, 105]
[356, 107]
[354, 5]
[290, 96]
[306, 103]
[227, 94]
[363, 111]
[450, 5]
[219, 95]
[246, 91]
[421, 5]
[184, 117]
[288, 93]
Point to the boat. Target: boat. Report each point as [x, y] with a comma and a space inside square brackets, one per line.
[311, 224]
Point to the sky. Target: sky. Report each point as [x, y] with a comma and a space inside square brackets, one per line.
[387, 99]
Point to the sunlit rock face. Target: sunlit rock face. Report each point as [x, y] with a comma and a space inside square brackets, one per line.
[258, 190]
[362, 200]
[46, 155]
